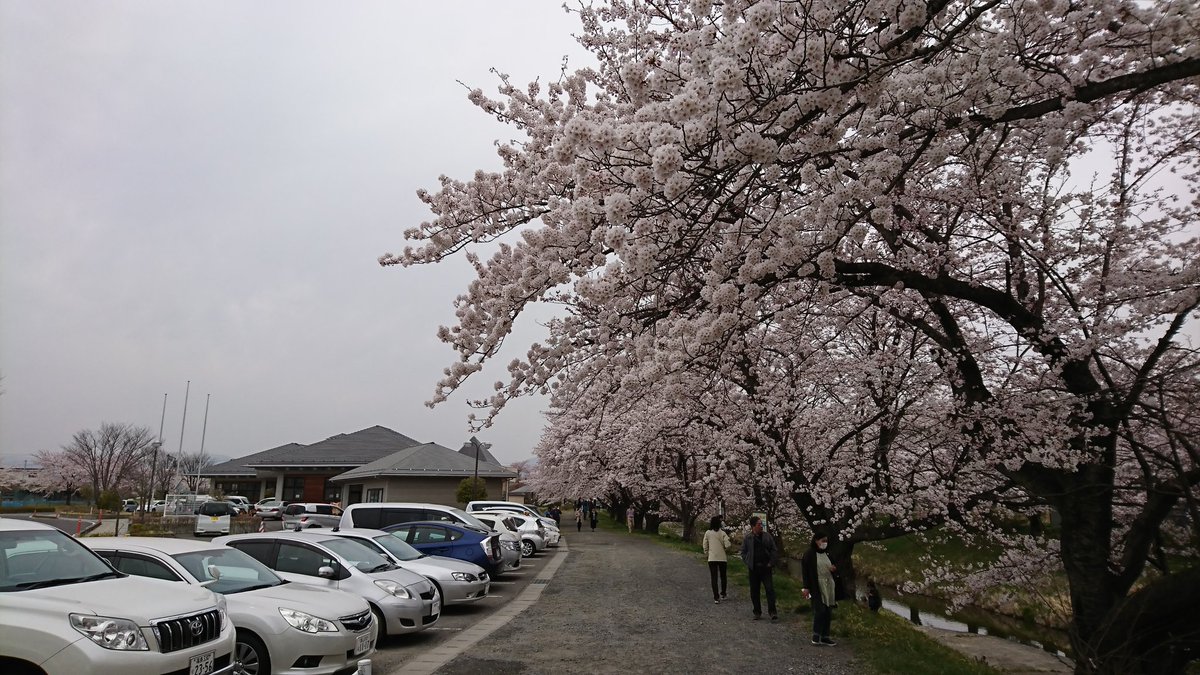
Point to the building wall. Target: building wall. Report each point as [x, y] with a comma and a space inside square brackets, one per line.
[431, 489]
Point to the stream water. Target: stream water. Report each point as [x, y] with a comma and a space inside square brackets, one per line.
[926, 611]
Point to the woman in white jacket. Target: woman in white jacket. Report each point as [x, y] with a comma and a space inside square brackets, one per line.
[716, 542]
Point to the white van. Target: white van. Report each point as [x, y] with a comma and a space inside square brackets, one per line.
[378, 515]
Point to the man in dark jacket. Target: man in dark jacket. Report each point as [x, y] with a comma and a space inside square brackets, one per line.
[759, 553]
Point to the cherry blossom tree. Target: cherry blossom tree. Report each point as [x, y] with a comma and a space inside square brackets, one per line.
[930, 157]
[58, 474]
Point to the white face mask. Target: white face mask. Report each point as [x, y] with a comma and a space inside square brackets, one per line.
[821, 546]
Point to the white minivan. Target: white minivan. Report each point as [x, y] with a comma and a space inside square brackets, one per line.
[378, 515]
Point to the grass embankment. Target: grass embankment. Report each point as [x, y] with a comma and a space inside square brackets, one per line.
[894, 561]
[887, 644]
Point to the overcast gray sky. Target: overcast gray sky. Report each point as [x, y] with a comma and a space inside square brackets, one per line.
[199, 191]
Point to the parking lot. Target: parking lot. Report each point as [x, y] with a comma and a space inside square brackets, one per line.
[459, 625]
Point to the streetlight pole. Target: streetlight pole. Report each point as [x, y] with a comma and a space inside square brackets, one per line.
[475, 484]
[154, 458]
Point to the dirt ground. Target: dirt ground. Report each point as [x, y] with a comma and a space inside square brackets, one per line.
[625, 604]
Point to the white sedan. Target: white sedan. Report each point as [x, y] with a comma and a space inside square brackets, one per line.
[282, 628]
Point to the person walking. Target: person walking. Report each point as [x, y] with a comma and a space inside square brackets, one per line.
[578, 520]
[716, 542]
[759, 553]
[629, 519]
[820, 587]
[592, 518]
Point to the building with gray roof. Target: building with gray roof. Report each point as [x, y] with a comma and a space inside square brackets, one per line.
[317, 472]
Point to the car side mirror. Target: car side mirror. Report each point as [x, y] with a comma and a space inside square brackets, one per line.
[326, 572]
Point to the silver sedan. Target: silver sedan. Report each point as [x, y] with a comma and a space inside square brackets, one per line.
[458, 581]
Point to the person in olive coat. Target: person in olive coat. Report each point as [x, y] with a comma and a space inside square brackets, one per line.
[820, 587]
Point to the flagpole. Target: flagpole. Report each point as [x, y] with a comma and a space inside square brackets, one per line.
[154, 459]
[203, 432]
[183, 423]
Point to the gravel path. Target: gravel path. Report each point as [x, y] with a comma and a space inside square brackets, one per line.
[626, 604]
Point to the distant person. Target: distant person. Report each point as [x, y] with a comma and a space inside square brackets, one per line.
[592, 518]
[556, 514]
[629, 516]
[874, 600]
[578, 520]
[716, 543]
[759, 552]
[820, 587]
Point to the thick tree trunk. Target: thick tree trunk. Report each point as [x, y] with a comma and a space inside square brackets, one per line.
[1155, 631]
[841, 554]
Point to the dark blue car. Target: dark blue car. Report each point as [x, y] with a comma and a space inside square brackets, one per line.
[453, 540]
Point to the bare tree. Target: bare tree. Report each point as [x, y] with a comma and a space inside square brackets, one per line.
[107, 456]
[190, 464]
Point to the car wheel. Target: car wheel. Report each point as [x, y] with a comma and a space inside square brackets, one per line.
[252, 654]
[381, 625]
[527, 548]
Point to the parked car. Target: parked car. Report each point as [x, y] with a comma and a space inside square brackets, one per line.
[402, 601]
[269, 509]
[243, 505]
[157, 505]
[129, 505]
[483, 505]
[310, 514]
[65, 611]
[452, 540]
[458, 581]
[532, 540]
[552, 531]
[214, 518]
[543, 527]
[278, 624]
[378, 515]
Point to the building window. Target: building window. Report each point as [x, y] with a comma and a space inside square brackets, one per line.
[293, 489]
[333, 492]
[375, 495]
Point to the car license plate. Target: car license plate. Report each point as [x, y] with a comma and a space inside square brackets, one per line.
[437, 604]
[214, 518]
[363, 644]
[201, 664]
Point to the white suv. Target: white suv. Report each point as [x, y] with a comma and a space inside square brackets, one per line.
[63, 609]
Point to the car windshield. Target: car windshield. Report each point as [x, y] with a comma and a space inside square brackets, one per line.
[239, 572]
[31, 559]
[358, 554]
[398, 547]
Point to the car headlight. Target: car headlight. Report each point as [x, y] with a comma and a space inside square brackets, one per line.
[462, 576]
[110, 632]
[510, 545]
[222, 605]
[307, 622]
[393, 588]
